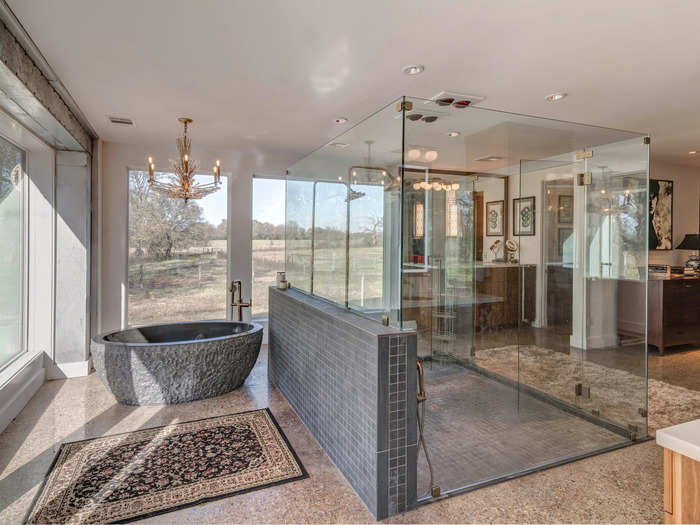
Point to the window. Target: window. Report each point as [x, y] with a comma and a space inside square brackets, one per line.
[177, 254]
[12, 254]
[268, 239]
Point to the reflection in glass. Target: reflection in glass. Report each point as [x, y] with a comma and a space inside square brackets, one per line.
[12, 256]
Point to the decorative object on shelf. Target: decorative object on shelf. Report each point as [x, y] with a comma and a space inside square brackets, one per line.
[282, 281]
[563, 235]
[181, 184]
[660, 214]
[494, 218]
[565, 209]
[511, 251]
[524, 216]
[495, 249]
[691, 241]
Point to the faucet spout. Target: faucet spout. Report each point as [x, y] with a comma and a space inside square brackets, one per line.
[236, 287]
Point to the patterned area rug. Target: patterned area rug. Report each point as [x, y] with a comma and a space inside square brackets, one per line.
[616, 394]
[148, 472]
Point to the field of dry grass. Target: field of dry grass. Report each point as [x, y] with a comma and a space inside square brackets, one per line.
[192, 285]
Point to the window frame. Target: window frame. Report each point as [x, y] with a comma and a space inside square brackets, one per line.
[24, 258]
[125, 286]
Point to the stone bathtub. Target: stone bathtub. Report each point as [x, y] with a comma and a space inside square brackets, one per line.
[176, 362]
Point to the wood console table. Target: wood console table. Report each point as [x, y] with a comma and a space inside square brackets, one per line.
[681, 472]
[673, 311]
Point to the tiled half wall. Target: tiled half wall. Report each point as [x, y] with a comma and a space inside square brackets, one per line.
[352, 381]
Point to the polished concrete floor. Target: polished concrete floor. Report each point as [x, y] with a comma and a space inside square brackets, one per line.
[622, 486]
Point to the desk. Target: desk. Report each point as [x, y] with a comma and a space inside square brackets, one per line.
[673, 311]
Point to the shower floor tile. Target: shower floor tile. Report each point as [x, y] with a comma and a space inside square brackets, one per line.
[477, 429]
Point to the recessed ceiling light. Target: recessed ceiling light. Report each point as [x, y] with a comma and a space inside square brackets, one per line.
[555, 97]
[339, 145]
[692, 152]
[414, 69]
[341, 120]
[454, 134]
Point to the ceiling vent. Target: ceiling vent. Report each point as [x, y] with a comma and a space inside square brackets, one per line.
[123, 121]
[454, 98]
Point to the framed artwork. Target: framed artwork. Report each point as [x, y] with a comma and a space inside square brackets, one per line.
[660, 214]
[563, 235]
[524, 216]
[565, 209]
[494, 218]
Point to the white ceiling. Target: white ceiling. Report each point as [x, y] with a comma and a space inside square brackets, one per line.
[266, 79]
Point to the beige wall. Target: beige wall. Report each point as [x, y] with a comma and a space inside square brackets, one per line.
[115, 162]
[686, 207]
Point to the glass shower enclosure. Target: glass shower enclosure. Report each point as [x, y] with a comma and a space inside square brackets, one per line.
[517, 249]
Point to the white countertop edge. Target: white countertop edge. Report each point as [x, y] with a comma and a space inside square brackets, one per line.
[683, 439]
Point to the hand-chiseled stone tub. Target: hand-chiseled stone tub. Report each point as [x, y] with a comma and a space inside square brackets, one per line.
[176, 362]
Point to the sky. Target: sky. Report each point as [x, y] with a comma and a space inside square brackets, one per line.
[268, 201]
[269, 204]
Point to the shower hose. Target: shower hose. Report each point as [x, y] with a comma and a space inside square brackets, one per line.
[420, 411]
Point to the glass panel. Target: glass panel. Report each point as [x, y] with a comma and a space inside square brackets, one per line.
[365, 271]
[547, 343]
[268, 239]
[12, 165]
[329, 253]
[508, 362]
[299, 211]
[177, 254]
[347, 194]
[616, 261]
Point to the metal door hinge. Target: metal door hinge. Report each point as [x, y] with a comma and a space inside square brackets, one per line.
[584, 154]
[582, 390]
[406, 105]
[584, 179]
[634, 430]
[646, 140]
[643, 412]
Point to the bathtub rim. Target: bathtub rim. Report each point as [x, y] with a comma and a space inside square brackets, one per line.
[100, 338]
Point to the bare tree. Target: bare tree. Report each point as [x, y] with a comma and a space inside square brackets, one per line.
[159, 224]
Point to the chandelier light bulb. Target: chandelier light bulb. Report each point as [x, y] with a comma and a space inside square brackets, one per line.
[413, 154]
[431, 155]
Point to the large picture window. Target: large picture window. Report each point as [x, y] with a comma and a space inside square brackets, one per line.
[12, 252]
[268, 239]
[177, 254]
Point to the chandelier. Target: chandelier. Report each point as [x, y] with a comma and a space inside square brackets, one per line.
[181, 184]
